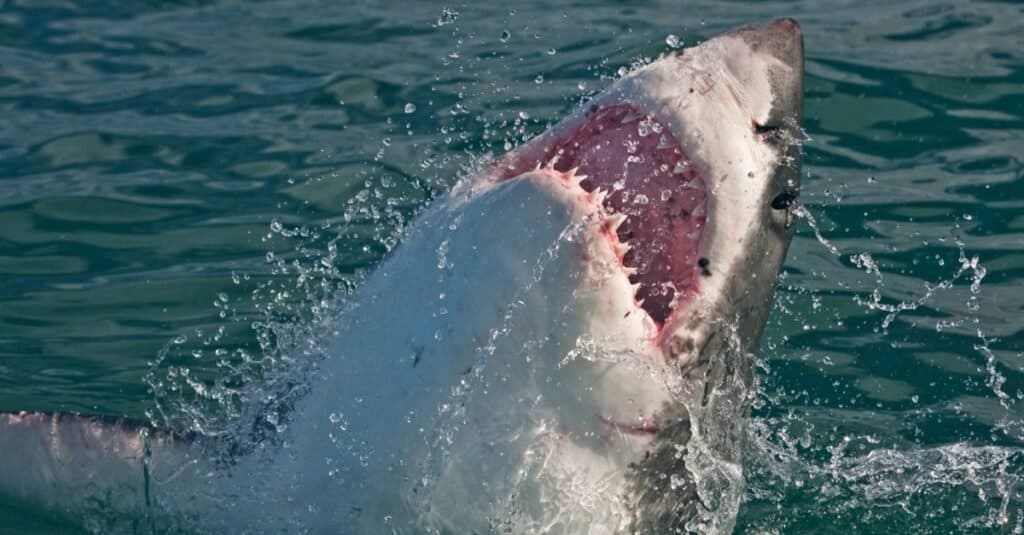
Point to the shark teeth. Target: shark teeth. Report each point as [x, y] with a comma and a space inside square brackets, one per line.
[631, 116]
[628, 163]
[553, 160]
[616, 220]
[572, 176]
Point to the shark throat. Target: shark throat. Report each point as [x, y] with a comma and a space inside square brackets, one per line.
[647, 177]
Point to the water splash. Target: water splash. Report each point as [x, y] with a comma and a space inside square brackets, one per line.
[820, 454]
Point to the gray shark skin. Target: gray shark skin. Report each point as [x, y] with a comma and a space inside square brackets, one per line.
[562, 344]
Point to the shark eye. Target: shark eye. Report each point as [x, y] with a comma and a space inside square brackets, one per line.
[784, 200]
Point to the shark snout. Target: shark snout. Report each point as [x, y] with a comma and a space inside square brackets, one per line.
[780, 38]
[780, 45]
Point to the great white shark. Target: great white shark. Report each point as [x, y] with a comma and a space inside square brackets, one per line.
[562, 344]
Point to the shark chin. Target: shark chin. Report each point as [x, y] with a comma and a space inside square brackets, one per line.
[562, 344]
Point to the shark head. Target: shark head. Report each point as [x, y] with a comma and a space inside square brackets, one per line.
[697, 155]
[691, 165]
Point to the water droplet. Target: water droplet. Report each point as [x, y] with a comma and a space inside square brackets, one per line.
[582, 86]
[551, 51]
[410, 107]
[447, 16]
[645, 127]
[539, 79]
[672, 40]
[505, 36]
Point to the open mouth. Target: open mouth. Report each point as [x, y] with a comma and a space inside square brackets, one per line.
[648, 178]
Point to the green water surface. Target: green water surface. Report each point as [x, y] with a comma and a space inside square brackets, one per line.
[185, 177]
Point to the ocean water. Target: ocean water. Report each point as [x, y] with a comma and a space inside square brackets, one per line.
[183, 185]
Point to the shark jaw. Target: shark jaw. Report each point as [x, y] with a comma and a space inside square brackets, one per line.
[682, 178]
[560, 345]
[693, 162]
[696, 161]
